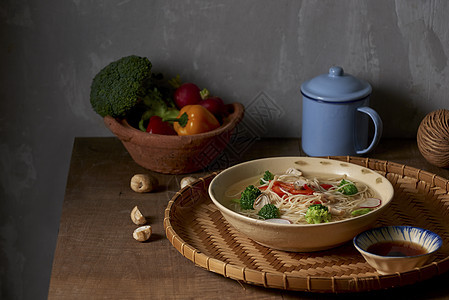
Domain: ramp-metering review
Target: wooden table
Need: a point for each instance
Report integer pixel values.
(97, 257)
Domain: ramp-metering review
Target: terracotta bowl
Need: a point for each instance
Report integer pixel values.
(176, 154)
(299, 237)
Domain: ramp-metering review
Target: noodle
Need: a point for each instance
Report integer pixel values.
(293, 206)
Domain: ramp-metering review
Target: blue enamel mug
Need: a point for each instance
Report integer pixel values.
(336, 115)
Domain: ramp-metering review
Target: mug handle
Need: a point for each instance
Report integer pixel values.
(378, 127)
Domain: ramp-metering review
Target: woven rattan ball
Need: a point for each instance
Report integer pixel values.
(433, 138)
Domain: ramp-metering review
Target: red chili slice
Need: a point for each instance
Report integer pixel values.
(281, 188)
(326, 186)
(275, 188)
(309, 190)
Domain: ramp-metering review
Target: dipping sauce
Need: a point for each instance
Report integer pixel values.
(396, 248)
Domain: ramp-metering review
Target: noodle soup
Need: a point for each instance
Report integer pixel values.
(226, 190)
(295, 198)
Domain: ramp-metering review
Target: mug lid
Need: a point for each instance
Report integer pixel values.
(336, 87)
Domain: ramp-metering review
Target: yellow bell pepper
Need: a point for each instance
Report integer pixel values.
(198, 120)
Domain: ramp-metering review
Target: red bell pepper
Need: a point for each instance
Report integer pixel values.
(157, 126)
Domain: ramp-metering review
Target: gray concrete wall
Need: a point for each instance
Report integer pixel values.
(240, 50)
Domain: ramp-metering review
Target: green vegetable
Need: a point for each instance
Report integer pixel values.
(269, 211)
(156, 106)
(126, 88)
(120, 86)
(359, 212)
(182, 120)
(248, 196)
(267, 176)
(317, 213)
(347, 188)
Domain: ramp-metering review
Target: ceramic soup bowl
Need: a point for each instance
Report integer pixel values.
(300, 237)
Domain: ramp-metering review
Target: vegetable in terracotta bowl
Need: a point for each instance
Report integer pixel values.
(300, 204)
(166, 126)
(173, 154)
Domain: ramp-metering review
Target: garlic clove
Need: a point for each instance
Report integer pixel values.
(142, 233)
(143, 183)
(186, 181)
(137, 217)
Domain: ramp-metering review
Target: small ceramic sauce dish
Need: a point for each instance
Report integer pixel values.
(394, 249)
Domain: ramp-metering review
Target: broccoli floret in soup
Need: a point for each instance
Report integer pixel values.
(317, 213)
(248, 196)
(347, 188)
(267, 176)
(269, 211)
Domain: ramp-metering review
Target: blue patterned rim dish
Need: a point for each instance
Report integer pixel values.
(426, 238)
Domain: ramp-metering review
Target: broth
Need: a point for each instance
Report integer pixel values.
(396, 248)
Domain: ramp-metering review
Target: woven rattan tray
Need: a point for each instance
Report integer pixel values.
(197, 230)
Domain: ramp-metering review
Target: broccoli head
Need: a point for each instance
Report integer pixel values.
(248, 196)
(347, 188)
(317, 213)
(267, 176)
(269, 211)
(120, 86)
